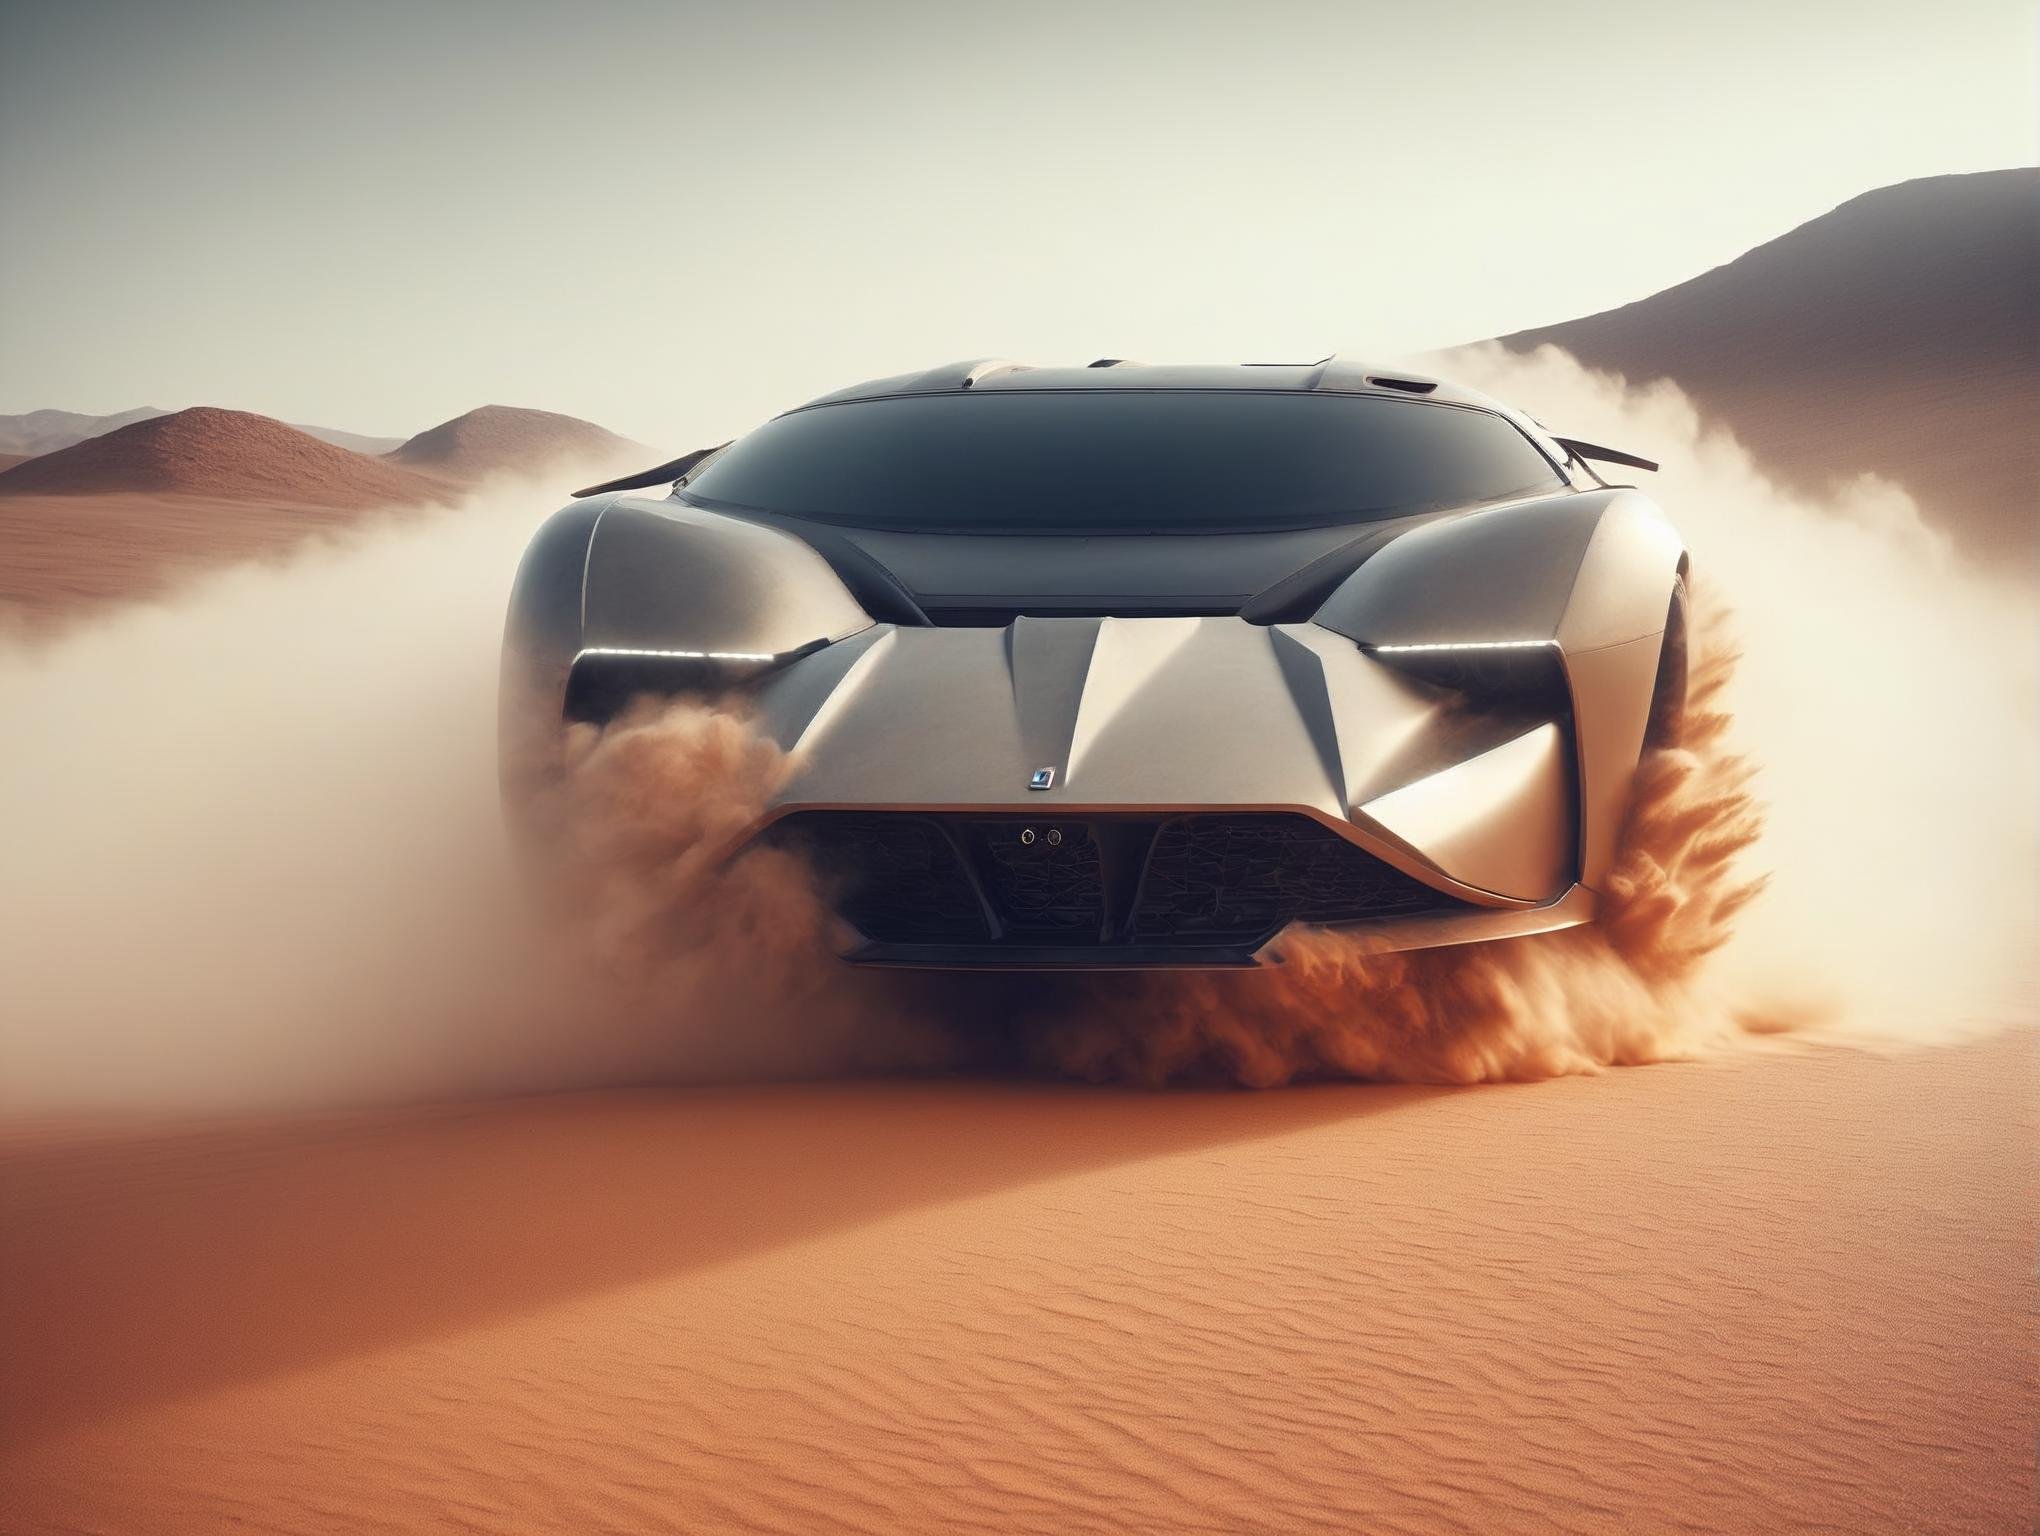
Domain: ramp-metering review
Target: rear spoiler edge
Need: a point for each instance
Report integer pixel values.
(1585, 450)
(662, 474)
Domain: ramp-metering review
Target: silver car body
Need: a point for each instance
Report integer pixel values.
(1460, 698)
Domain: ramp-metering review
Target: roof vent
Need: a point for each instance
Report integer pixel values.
(1112, 362)
(991, 367)
(1407, 386)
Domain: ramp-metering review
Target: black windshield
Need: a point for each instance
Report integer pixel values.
(1123, 461)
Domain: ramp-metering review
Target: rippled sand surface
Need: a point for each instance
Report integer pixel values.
(1791, 1292)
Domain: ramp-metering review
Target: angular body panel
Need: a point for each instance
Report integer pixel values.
(1588, 576)
(1187, 714)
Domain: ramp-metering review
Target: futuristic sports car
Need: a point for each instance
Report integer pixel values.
(1131, 666)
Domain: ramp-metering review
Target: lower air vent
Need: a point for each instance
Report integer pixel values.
(1210, 876)
(1102, 882)
(898, 879)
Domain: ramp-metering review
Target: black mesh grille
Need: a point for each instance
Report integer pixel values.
(911, 878)
(1044, 875)
(898, 878)
(1231, 875)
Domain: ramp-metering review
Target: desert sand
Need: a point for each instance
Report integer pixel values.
(1779, 1293)
(1783, 1286)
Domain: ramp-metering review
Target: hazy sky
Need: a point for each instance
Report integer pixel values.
(677, 218)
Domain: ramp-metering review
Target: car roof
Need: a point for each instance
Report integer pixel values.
(1331, 375)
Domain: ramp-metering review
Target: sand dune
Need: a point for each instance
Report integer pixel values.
(1768, 1295)
(45, 431)
(131, 513)
(232, 455)
(1899, 334)
(503, 439)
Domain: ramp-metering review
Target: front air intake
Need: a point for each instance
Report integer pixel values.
(1213, 887)
(1227, 877)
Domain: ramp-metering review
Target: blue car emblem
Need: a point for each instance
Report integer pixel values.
(1044, 778)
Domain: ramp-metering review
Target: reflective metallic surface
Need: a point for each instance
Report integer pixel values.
(1500, 822)
(1206, 713)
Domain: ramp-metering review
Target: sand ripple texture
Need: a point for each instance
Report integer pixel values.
(1782, 1294)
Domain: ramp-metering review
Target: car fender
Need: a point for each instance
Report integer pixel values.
(651, 585)
(1586, 577)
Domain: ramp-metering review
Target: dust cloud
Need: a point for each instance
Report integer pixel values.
(1869, 706)
(254, 860)
(1625, 991)
(253, 857)
(1889, 697)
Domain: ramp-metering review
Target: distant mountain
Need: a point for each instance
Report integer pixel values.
(239, 456)
(498, 439)
(46, 431)
(350, 440)
(230, 455)
(1899, 333)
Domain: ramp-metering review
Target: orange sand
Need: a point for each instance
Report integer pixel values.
(71, 556)
(1785, 1292)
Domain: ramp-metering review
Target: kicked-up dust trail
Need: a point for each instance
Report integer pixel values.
(1625, 991)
